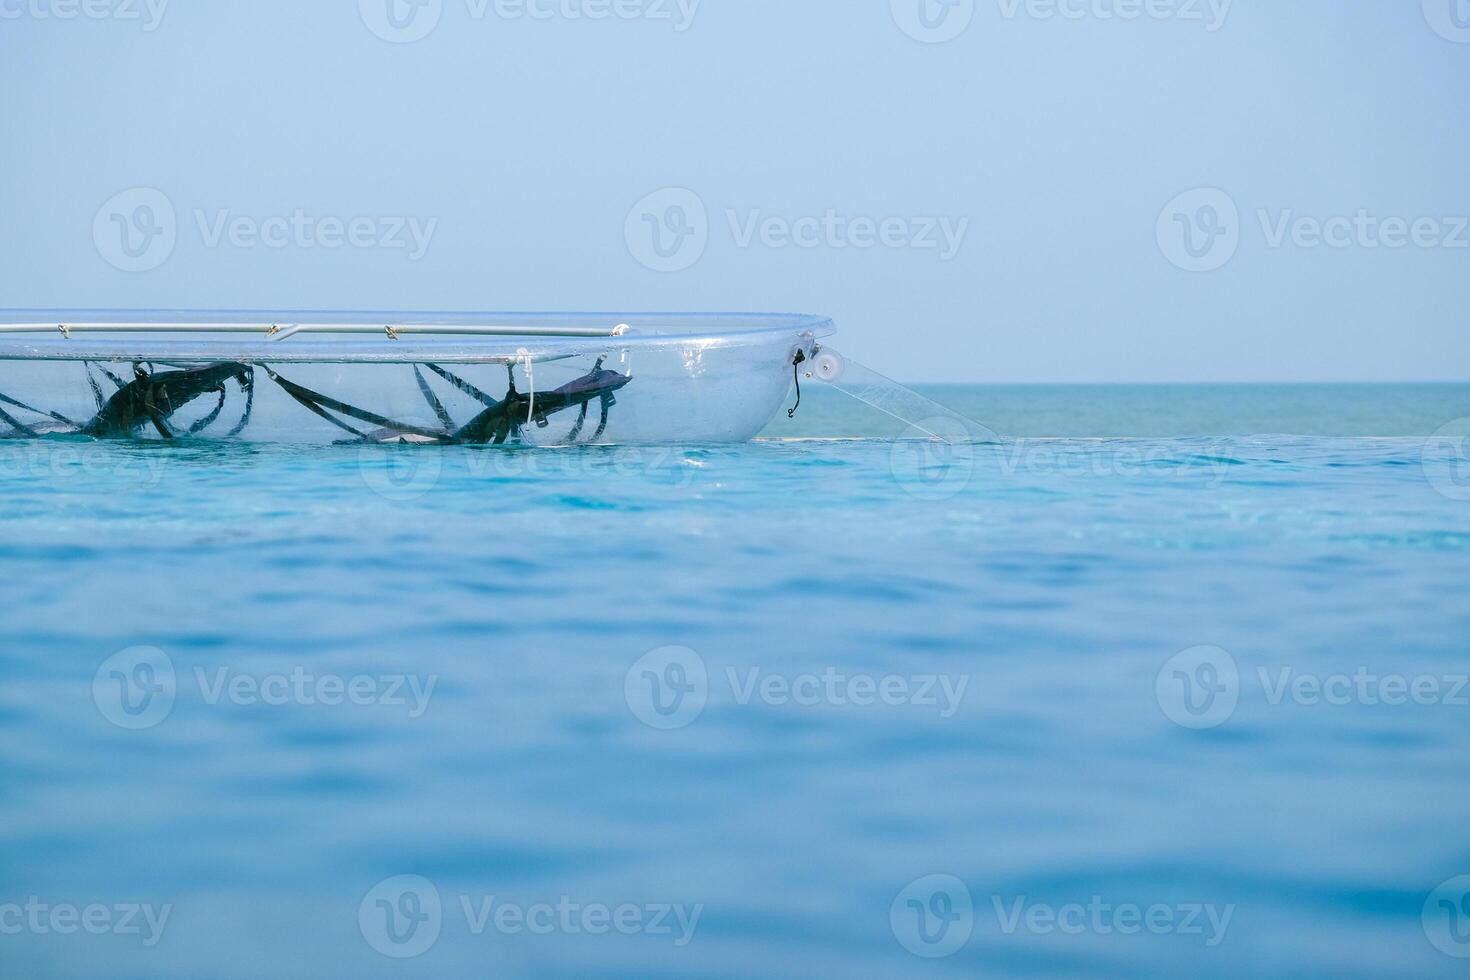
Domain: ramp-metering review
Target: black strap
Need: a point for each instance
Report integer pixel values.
(160, 422)
(607, 404)
(249, 407)
(582, 415)
(121, 384)
(317, 402)
(464, 386)
(577, 429)
(208, 420)
(318, 410)
(796, 363)
(96, 389)
(432, 399)
(24, 407)
(16, 424)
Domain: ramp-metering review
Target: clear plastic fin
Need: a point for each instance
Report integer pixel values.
(925, 418)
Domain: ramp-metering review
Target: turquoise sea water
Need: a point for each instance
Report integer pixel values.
(1141, 694)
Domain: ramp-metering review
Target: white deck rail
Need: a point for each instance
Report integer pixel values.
(279, 331)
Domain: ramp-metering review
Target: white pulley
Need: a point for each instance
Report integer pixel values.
(827, 366)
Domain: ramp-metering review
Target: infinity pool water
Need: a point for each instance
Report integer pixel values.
(1186, 706)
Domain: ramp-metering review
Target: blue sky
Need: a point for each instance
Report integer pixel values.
(977, 190)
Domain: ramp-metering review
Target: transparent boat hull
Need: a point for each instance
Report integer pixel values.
(544, 379)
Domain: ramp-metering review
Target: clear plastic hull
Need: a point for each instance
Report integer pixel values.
(463, 378)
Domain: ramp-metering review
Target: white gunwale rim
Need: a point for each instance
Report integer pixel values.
(363, 336)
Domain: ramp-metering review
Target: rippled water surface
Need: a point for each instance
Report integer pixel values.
(925, 714)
